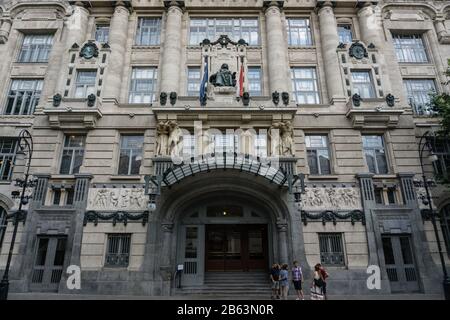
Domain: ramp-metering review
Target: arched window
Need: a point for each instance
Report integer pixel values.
(2, 225)
(445, 226)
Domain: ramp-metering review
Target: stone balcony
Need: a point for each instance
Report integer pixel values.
(73, 113)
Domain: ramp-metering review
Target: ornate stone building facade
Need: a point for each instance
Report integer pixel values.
(302, 145)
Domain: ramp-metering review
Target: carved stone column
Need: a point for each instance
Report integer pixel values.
(276, 49)
(329, 43)
(118, 41)
(40, 191)
(5, 29)
(76, 25)
(439, 25)
(171, 56)
(408, 189)
(282, 228)
(167, 228)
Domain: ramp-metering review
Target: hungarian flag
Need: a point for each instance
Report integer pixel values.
(240, 84)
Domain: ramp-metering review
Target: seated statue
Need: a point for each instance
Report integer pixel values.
(223, 78)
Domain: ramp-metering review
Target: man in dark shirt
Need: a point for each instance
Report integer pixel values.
(275, 278)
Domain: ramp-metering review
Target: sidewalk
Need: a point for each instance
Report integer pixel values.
(56, 296)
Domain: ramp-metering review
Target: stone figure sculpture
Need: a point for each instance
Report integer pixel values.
(174, 137)
(162, 130)
(224, 77)
(286, 138)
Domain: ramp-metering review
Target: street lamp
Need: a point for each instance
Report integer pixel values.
(426, 143)
(25, 143)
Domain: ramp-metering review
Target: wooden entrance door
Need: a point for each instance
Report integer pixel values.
(236, 247)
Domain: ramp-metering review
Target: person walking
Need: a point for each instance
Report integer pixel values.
(324, 275)
(297, 279)
(318, 284)
(284, 281)
(275, 278)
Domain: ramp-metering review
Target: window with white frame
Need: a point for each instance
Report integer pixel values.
(234, 28)
(193, 81)
(130, 154)
(362, 83)
(118, 250)
(148, 32)
(143, 85)
(299, 32)
(418, 93)
(261, 145)
(254, 81)
(226, 142)
(318, 154)
(23, 96)
(36, 48)
(375, 154)
(331, 249)
(304, 85)
(72, 154)
(85, 83)
(102, 33)
(345, 33)
(8, 148)
(189, 145)
(410, 48)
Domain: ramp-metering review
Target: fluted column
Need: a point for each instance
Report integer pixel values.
(76, 25)
(276, 50)
(329, 42)
(171, 56)
(118, 42)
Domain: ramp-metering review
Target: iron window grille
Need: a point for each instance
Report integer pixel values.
(418, 93)
(375, 154)
(193, 81)
(8, 148)
(102, 33)
(148, 32)
(331, 249)
(254, 81)
(118, 250)
(143, 85)
(304, 85)
(234, 28)
(362, 83)
(299, 32)
(318, 154)
(23, 96)
(130, 155)
(85, 83)
(72, 155)
(345, 33)
(36, 48)
(410, 48)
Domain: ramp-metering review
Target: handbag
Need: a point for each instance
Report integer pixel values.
(317, 293)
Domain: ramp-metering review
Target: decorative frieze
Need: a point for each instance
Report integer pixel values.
(334, 216)
(119, 216)
(117, 199)
(331, 199)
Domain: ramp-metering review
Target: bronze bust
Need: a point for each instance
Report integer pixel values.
(224, 77)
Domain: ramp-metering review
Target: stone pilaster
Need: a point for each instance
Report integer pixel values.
(276, 49)
(76, 25)
(282, 228)
(408, 189)
(330, 41)
(118, 41)
(171, 55)
(40, 191)
(437, 57)
(167, 228)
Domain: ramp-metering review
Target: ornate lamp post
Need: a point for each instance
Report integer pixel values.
(25, 143)
(425, 143)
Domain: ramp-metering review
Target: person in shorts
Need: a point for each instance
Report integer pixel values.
(297, 279)
(275, 278)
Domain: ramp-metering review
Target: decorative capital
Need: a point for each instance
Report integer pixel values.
(323, 4)
(174, 3)
(167, 227)
(269, 4)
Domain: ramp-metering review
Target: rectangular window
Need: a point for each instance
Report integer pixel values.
(7, 153)
(228, 143)
(304, 85)
(375, 154)
(69, 196)
(23, 96)
(418, 92)
(143, 85)
(362, 84)
(261, 145)
(193, 81)
(299, 32)
(102, 33)
(36, 48)
(148, 32)
(130, 155)
(441, 148)
(234, 28)
(188, 145)
(410, 48)
(72, 155)
(345, 33)
(118, 250)
(254, 81)
(318, 154)
(85, 83)
(331, 249)
(56, 197)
